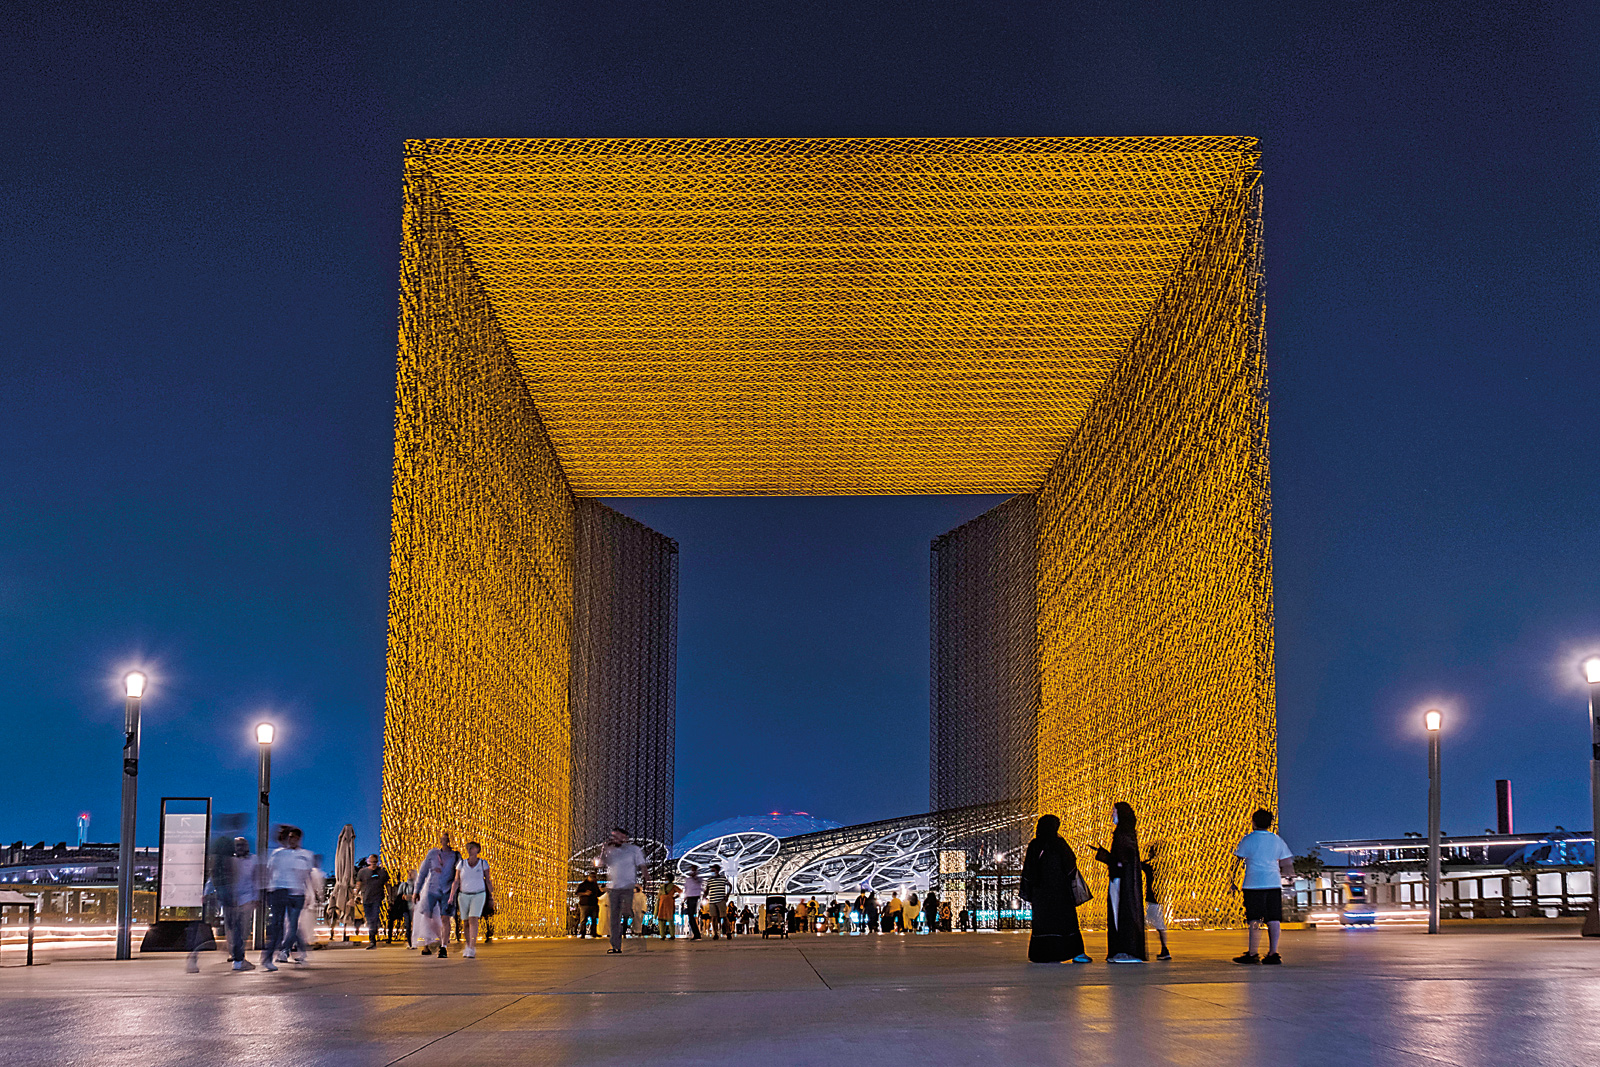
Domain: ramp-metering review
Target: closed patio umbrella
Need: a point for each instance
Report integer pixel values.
(344, 877)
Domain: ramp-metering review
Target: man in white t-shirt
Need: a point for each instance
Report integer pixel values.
(624, 864)
(1267, 861)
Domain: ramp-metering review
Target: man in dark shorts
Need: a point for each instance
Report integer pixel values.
(1267, 861)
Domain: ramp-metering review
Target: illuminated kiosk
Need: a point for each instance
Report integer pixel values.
(1077, 320)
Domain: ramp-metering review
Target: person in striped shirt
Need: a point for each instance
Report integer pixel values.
(717, 897)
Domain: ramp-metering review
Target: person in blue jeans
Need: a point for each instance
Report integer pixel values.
(288, 878)
(435, 877)
(237, 891)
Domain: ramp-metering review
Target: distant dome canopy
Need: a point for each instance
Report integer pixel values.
(777, 823)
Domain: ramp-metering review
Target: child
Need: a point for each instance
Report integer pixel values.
(1152, 906)
(1267, 861)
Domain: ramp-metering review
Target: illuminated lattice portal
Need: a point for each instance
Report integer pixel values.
(1076, 319)
(476, 737)
(984, 692)
(624, 677)
(1155, 581)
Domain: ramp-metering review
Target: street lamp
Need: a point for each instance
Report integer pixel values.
(1433, 719)
(133, 685)
(1591, 674)
(265, 732)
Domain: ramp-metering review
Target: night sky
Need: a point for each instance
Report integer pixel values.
(198, 267)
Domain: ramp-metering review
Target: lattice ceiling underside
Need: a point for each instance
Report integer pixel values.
(799, 317)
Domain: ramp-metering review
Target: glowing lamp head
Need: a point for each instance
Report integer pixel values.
(134, 681)
(264, 733)
(1591, 670)
(1433, 720)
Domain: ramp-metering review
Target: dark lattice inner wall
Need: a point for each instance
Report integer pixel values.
(624, 681)
(984, 698)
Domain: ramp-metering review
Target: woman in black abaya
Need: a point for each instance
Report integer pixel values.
(1124, 901)
(1049, 871)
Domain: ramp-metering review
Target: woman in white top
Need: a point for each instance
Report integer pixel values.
(470, 892)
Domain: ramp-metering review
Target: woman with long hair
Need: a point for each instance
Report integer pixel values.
(1049, 873)
(1124, 901)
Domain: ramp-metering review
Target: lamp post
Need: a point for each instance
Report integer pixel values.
(133, 685)
(1433, 719)
(264, 735)
(1591, 674)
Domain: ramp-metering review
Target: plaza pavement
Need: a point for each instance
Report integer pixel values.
(1516, 995)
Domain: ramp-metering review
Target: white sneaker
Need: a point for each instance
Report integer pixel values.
(470, 952)
(238, 965)
(267, 964)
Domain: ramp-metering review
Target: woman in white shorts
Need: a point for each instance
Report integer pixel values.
(470, 892)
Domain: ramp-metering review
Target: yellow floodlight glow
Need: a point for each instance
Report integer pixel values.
(134, 682)
(1433, 719)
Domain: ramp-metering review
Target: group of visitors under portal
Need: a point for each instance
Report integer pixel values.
(1056, 889)
(1051, 884)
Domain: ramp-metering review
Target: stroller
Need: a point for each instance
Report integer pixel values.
(775, 918)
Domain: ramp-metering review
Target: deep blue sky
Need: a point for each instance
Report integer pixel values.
(197, 270)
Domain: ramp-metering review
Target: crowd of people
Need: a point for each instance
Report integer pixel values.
(450, 895)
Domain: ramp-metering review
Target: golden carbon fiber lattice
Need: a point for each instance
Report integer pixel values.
(796, 317)
(476, 736)
(1155, 584)
(1077, 319)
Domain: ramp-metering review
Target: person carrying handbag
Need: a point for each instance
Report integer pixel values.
(1052, 885)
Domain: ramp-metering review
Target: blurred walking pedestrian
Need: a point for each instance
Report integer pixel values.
(373, 882)
(624, 863)
(237, 892)
(434, 879)
(1124, 902)
(1049, 883)
(316, 903)
(693, 889)
(288, 880)
(470, 892)
(912, 909)
(930, 911)
(872, 911)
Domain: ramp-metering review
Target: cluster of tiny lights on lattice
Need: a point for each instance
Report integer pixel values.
(821, 316)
